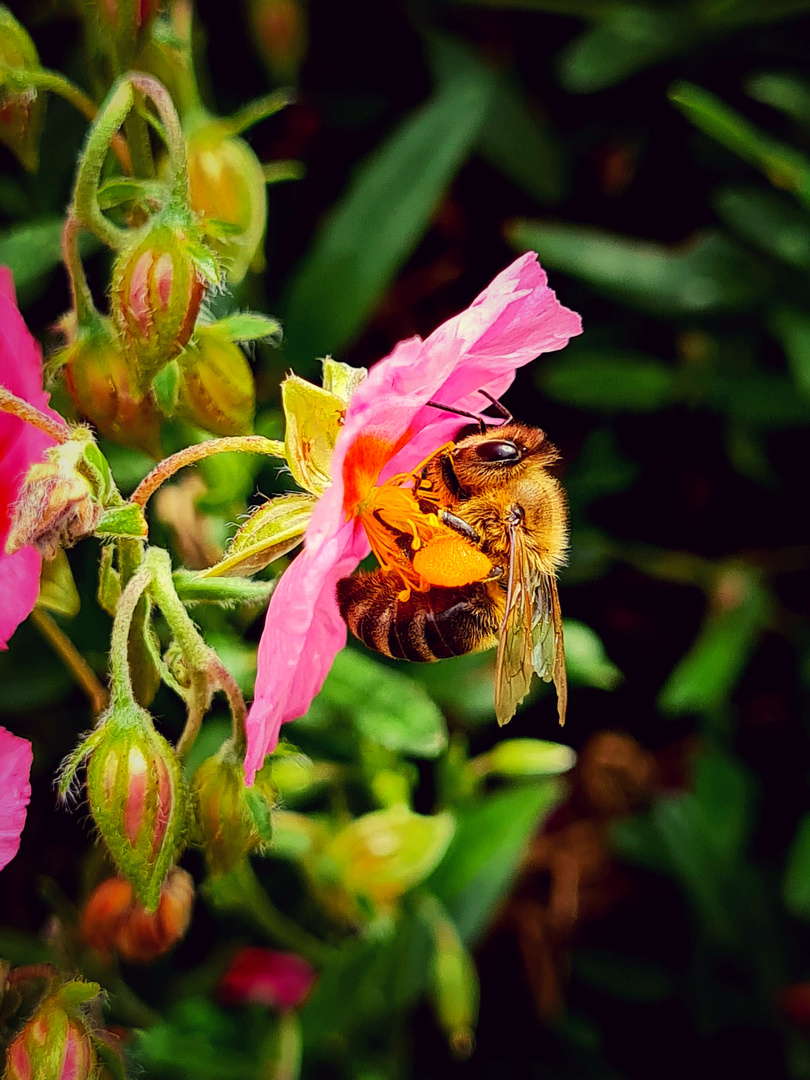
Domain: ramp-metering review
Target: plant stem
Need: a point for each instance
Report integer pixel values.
(246, 444)
(122, 689)
(175, 139)
(85, 193)
(258, 110)
(10, 403)
(82, 297)
(85, 677)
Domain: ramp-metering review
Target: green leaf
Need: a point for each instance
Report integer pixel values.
(519, 145)
(792, 328)
(250, 326)
(193, 588)
(796, 883)
(122, 189)
(270, 532)
(385, 706)
(711, 274)
(608, 381)
(484, 857)
(586, 659)
(786, 92)
(768, 220)
(629, 40)
(705, 677)
(380, 219)
(761, 399)
(784, 166)
(32, 251)
(57, 589)
(723, 796)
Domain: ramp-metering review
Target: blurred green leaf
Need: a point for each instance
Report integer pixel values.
(381, 217)
(608, 381)
(796, 884)
(200, 1039)
(792, 328)
(385, 706)
(586, 659)
(630, 39)
(707, 674)
(32, 251)
(518, 144)
(784, 166)
(723, 797)
(769, 220)
(25, 682)
(600, 469)
(711, 274)
(623, 977)
(761, 399)
(789, 93)
(484, 856)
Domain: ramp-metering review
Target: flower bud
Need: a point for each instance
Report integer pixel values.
(22, 108)
(280, 33)
(113, 921)
(278, 980)
(57, 504)
(102, 384)
(232, 820)
(155, 298)
(137, 798)
(227, 191)
(53, 1045)
(215, 390)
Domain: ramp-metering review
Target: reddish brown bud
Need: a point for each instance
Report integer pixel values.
(56, 505)
(102, 384)
(227, 191)
(155, 297)
(113, 921)
(215, 390)
(53, 1045)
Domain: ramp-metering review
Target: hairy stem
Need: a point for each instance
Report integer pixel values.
(122, 689)
(10, 403)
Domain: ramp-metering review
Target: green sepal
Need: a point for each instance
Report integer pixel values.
(57, 589)
(127, 520)
(341, 379)
(109, 581)
(249, 326)
(124, 189)
(225, 591)
(314, 417)
(78, 992)
(166, 385)
(270, 532)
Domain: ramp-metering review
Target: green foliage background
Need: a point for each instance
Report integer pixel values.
(658, 159)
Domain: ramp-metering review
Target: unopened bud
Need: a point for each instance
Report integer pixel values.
(22, 108)
(278, 980)
(227, 191)
(280, 33)
(137, 798)
(57, 504)
(232, 820)
(55, 1043)
(215, 390)
(155, 297)
(102, 383)
(113, 921)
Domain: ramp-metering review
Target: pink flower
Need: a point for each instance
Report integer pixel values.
(389, 429)
(278, 980)
(15, 792)
(21, 445)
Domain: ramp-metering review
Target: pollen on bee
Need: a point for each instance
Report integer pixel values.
(448, 560)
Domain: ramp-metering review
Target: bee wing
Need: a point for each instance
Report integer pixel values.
(548, 649)
(514, 664)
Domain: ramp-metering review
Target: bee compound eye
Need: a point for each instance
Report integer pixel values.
(499, 450)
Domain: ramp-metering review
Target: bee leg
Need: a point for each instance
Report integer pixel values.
(460, 526)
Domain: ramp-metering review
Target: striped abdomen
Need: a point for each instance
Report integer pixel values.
(428, 625)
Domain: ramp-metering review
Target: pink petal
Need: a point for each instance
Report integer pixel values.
(15, 791)
(265, 977)
(21, 445)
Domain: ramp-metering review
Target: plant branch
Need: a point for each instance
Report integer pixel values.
(10, 403)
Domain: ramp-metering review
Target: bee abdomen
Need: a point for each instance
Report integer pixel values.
(427, 626)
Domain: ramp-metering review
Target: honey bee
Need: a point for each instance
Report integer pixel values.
(500, 510)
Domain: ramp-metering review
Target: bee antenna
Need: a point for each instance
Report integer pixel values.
(499, 408)
(461, 412)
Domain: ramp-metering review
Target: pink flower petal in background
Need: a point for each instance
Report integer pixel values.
(15, 792)
(515, 319)
(278, 980)
(21, 445)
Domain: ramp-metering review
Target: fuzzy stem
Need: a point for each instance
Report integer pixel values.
(14, 79)
(85, 194)
(137, 130)
(82, 297)
(257, 110)
(122, 690)
(10, 403)
(175, 139)
(73, 660)
(246, 444)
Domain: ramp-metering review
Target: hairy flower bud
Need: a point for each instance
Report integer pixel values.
(232, 820)
(102, 384)
(215, 390)
(21, 107)
(137, 798)
(156, 291)
(54, 1044)
(113, 921)
(227, 191)
(57, 504)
